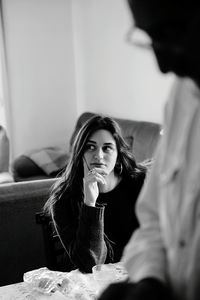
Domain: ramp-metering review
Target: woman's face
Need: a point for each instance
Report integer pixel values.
(101, 151)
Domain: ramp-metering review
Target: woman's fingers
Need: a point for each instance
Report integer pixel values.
(97, 174)
(99, 171)
(91, 180)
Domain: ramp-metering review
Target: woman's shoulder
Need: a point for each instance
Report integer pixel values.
(132, 185)
(66, 197)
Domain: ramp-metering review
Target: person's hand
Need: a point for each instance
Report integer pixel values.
(90, 183)
(143, 290)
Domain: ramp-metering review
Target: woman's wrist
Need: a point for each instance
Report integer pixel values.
(93, 213)
(90, 204)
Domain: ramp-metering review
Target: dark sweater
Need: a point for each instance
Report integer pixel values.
(95, 235)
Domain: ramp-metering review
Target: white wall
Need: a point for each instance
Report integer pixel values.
(116, 77)
(69, 56)
(41, 72)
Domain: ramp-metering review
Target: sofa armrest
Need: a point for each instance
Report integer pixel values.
(22, 245)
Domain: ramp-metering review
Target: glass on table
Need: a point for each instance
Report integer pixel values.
(104, 274)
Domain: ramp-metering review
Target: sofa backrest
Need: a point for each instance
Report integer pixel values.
(142, 136)
(21, 239)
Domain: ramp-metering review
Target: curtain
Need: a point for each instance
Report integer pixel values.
(5, 119)
(4, 92)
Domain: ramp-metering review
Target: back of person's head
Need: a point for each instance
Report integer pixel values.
(174, 27)
(156, 11)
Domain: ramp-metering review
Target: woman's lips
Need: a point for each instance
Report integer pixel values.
(101, 167)
(97, 165)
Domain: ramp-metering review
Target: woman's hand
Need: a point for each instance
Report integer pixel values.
(90, 183)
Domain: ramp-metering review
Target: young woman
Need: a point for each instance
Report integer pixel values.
(92, 204)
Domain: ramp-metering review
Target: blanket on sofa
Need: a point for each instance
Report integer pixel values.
(50, 159)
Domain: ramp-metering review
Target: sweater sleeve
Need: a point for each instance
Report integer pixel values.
(82, 234)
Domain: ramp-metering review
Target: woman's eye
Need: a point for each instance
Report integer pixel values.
(89, 147)
(108, 149)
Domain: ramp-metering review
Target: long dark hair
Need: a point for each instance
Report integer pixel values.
(72, 178)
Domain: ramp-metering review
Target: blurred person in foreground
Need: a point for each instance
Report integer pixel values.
(163, 255)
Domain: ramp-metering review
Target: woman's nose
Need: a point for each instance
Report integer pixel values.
(98, 154)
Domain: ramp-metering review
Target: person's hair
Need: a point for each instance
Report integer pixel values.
(71, 180)
(169, 8)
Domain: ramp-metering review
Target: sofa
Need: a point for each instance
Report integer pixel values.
(48, 162)
(22, 241)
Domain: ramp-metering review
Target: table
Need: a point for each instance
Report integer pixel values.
(80, 286)
(21, 291)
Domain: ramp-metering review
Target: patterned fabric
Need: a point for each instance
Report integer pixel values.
(50, 159)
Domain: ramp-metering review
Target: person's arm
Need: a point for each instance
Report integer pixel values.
(144, 256)
(81, 233)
